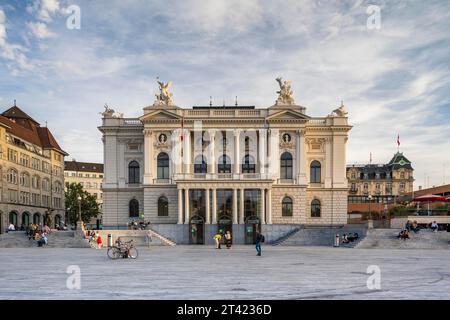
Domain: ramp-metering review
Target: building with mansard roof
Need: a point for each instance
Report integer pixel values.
(193, 172)
(31, 172)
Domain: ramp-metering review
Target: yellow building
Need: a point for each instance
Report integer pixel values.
(31, 172)
(89, 175)
(383, 182)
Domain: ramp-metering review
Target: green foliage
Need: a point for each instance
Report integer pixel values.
(89, 205)
(398, 211)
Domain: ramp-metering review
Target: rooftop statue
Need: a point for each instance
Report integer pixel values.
(340, 112)
(108, 113)
(164, 97)
(285, 94)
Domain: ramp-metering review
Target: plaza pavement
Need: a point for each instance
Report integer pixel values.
(202, 272)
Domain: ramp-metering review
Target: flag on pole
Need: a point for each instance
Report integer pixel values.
(398, 141)
(182, 129)
(371, 158)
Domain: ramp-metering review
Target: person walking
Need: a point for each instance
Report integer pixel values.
(259, 240)
(228, 239)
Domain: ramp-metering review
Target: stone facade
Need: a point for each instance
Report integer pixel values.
(31, 172)
(229, 167)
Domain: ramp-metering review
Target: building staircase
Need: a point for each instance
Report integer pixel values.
(387, 239)
(56, 239)
(318, 236)
(139, 237)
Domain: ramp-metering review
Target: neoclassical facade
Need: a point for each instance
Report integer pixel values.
(192, 172)
(31, 172)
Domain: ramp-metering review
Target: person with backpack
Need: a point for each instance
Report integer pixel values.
(259, 239)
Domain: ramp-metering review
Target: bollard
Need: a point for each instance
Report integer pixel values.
(336, 240)
(110, 240)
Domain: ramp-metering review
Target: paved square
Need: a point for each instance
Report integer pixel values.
(199, 272)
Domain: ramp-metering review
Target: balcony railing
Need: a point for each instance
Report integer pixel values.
(162, 181)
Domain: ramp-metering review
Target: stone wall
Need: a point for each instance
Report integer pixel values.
(116, 207)
(328, 200)
(151, 196)
(298, 196)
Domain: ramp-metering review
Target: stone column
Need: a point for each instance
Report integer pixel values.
(274, 153)
(148, 156)
(262, 151)
(176, 153)
(301, 179)
(328, 163)
(242, 215)
(214, 206)
(237, 153)
(187, 151)
(208, 207)
(186, 206)
(212, 151)
(235, 207)
(269, 206)
(263, 206)
(180, 206)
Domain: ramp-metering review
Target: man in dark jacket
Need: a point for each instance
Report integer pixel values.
(259, 240)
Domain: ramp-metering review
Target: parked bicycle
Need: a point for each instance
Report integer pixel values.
(124, 250)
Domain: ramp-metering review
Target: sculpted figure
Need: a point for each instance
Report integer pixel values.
(108, 113)
(340, 112)
(164, 97)
(285, 94)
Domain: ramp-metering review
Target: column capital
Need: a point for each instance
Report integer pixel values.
(237, 132)
(301, 132)
(148, 133)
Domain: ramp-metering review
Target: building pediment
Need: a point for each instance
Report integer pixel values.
(287, 115)
(160, 115)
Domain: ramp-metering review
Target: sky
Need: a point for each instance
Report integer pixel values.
(390, 69)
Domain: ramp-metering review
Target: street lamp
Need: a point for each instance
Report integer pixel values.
(370, 224)
(79, 210)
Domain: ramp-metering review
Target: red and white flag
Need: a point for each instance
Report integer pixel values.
(398, 140)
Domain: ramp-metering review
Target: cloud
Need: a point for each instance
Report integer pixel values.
(47, 9)
(40, 30)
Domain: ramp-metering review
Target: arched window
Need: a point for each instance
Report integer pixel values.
(224, 164)
(200, 165)
(133, 172)
(36, 218)
(315, 208)
(315, 172)
(163, 166)
(24, 179)
(286, 207)
(163, 207)
(248, 165)
(286, 166)
(134, 208)
(46, 184)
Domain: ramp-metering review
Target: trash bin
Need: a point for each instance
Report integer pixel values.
(110, 240)
(337, 240)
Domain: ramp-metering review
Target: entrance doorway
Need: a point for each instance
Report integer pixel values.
(36, 218)
(1, 223)
(25, 219)
(197, 230)
(225, 224)
(57, 221)
(13, 218)
(252, 224)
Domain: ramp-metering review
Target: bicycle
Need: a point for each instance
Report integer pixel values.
(127, 250)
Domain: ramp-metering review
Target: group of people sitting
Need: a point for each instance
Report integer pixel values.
(412, 226)
(135, 225)
(95, 239)
(404, 234)
(350, 237)
(38, 233)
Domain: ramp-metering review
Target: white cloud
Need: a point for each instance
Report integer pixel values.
(40, 30)
(47, 9)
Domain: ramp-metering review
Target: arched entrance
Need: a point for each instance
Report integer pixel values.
(1, 223)
(252, 224)
(225, 224)
(13, 218)
(36, 218)
(197, 230)
(25, 219)
(57, 221)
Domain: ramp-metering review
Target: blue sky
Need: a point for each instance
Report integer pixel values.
(393, 80)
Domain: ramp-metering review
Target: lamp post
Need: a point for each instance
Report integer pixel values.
(80, 221)
(370, 222)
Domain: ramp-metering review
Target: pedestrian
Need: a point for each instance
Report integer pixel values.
(99, 241)
(259, 240)
(228, 239)
(218, 239)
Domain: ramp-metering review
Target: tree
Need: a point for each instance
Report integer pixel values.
(89, 205)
